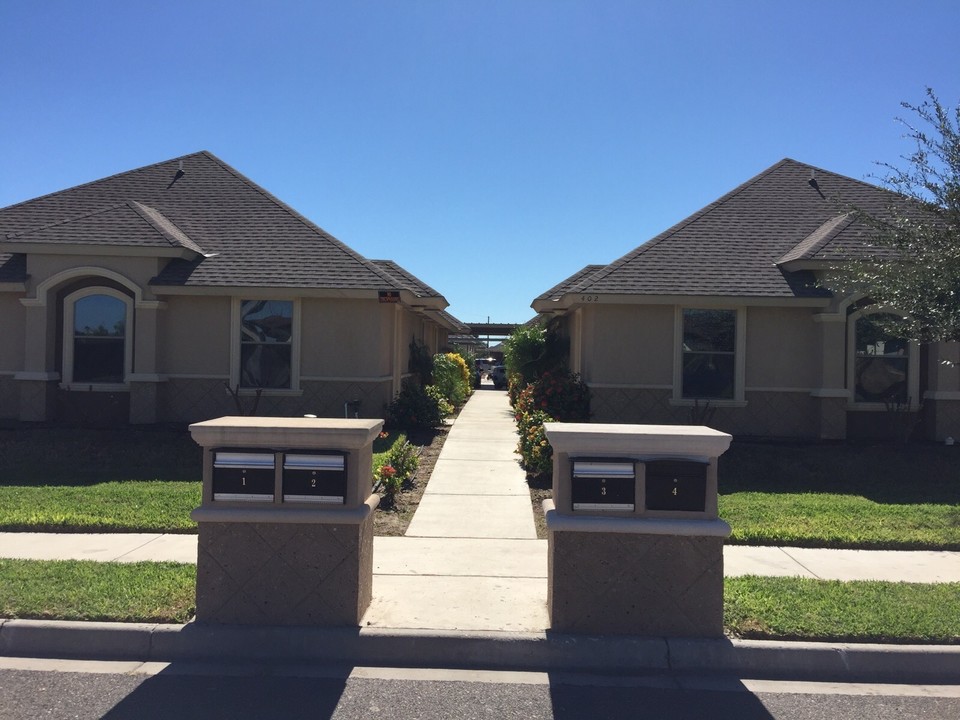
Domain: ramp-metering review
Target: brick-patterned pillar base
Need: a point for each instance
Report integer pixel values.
(635, 584)
(285, 573)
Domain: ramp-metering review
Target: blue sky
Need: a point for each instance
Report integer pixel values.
(491, 148)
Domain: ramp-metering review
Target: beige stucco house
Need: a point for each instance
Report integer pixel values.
(724, 316)
(175, 292)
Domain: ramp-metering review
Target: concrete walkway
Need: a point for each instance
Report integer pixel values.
(471, 560)
(466, 587)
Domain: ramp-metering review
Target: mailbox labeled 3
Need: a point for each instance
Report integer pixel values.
(315, 478)
(676, 485)
(603, 485)
(243, 476)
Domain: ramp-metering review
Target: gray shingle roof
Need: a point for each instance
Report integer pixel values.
(570, 282)
(249, 237)
(403, 277)
(126, 224)
(732, 246)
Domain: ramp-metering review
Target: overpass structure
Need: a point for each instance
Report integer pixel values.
(487, 334)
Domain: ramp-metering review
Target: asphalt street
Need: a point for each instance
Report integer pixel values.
(85, 690)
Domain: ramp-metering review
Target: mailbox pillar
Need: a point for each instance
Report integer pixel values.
(635, 543)
(286, 522)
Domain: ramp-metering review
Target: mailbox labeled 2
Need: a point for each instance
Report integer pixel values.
(600, 485)
(244, 476)
(315, 478)
(676, 485)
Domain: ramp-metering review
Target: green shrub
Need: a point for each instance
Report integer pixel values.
(395, 470)
(417, 407)
(523, 351)
(555, 396)
(536, 454)
(452, 377)
(420, 364)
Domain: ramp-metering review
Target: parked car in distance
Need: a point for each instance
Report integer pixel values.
(499, 377)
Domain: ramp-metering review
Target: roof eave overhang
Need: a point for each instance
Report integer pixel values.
(407, 298)
(87, 249)
(805, 264)
(567, 303)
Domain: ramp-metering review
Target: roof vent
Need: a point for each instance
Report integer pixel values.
(179, 175)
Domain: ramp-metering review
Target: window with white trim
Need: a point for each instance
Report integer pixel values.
(881, 362)
(97, 338)
(266, 344)
(709, 354)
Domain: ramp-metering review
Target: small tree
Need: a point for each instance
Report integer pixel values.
(532, 350)
(915, 264)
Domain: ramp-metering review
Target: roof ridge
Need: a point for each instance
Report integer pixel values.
(67, 220)
(103, 179)
(146, 212)
(819, 237)
(302, 218)
(656, 240)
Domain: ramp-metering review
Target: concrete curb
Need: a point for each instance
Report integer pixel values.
(538, 652)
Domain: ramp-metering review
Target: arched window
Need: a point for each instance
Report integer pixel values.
(97, 348)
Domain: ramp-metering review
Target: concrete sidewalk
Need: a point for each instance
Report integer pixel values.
(466, 587)
(471, 560)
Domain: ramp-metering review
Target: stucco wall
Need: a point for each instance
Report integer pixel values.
(766, 414)
(186, 400)
(628, 344)
(783, 348)
(137, 269)
(194, 336)
(342, 338)
(11, 337)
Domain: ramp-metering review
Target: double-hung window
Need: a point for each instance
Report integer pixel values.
(708, 354)
(266, 352)
(881, 363)
(97, 347)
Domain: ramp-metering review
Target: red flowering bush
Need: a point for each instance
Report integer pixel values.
(555, 396)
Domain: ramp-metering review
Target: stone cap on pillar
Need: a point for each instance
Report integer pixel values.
(298, 432)
(632, 440)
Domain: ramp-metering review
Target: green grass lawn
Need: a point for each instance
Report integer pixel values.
(84, 590)
(850, 496)
(56, 480)
(81, 480)
(803, 609)
(754, 607)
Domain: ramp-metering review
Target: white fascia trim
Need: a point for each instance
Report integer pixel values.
(147, 377)
(627, 386)
(704, 402)
(318, 378)
(37, 376)
(271, 392)
(942, 395)
(95, 387)
(831, 393)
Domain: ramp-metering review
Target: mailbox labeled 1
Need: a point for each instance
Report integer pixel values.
(676, 485)
(603, 485)
(244, 476)
(315, 478)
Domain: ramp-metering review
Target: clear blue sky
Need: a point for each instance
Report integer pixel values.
(492, 148)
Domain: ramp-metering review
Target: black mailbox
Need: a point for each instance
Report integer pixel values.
(676, 485)
(315, 478)
(603, 485)
(243, 475)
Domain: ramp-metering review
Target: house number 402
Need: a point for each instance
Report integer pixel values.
(589, 298)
